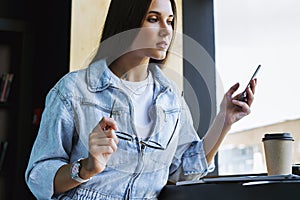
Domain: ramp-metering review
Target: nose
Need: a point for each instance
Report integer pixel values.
(164, 32)
(165, 29)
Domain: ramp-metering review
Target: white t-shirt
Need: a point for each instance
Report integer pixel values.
(141, 94)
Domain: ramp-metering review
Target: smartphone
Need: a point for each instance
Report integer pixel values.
(244, 93)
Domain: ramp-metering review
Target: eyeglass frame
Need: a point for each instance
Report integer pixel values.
(128, 137)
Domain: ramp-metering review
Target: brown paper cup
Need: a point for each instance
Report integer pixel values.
(278, 153)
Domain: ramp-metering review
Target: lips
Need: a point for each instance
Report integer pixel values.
(162, 45)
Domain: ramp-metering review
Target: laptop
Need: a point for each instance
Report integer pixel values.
(246, 180)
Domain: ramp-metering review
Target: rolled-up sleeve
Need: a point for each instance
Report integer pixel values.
(189, 162)
(51, 148)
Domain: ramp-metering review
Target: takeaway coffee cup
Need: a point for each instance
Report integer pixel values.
(278, 153)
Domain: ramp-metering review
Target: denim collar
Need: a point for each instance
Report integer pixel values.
(98, 77)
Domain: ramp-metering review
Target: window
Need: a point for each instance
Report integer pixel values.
(249, 33)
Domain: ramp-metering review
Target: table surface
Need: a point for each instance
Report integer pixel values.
(239, 190)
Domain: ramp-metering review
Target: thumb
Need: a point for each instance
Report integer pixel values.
(105, 123)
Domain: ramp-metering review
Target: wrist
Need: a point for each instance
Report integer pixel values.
(85, 172)
(223, 120)
(77, 172)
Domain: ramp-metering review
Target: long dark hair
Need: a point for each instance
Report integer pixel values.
(124, 18)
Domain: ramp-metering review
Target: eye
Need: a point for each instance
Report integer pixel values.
(152, 19)
(170, 21)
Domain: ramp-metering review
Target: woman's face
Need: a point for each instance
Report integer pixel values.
(155, 35)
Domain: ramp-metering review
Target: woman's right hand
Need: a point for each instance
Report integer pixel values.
(102, 144)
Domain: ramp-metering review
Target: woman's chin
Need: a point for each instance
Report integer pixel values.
(160, 55)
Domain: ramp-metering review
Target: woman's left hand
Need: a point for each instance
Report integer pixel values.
(233, 108)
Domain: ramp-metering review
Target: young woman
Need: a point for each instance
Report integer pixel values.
(120, 129)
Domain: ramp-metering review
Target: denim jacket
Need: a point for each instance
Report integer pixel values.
(73, 108)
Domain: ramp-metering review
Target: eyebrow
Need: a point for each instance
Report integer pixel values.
(158, 13)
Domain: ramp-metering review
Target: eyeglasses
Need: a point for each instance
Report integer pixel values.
(149, 143)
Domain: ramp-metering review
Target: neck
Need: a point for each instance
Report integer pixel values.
(130, 68)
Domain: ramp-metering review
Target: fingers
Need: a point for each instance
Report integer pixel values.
(103, 142)
(243, 105)
(103, 145)
(232, 89)
(253, 84)
(105, 129)
(106, 123)
(100, 150)
(250, 92)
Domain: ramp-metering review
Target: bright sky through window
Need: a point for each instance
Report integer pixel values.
(266, 32)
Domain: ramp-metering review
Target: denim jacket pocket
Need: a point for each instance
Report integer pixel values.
(167, 137)
(167, 126)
